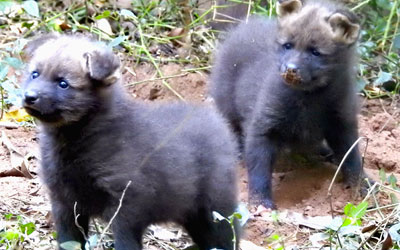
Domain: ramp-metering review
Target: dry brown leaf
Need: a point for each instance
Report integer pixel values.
(387, 242)
(18, 161)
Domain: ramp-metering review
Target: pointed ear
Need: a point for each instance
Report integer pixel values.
(102, 66)
(31, 47)
(344, 27)
(285, 7)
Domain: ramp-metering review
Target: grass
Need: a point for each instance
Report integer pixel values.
(162, 31)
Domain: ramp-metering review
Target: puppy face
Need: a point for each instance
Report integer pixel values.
(314, 40)
(66, 75)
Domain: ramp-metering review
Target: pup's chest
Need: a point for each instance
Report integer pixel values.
(302, 121)
(72, 180)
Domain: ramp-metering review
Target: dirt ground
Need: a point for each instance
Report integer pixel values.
(299, 188)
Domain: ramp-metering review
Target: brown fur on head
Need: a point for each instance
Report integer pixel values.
(326, 19)
(315, 36)
(66, 76)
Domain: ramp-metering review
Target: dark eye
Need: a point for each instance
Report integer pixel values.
(34, 74)
(63, 84)
(315, 52)
(287, 46)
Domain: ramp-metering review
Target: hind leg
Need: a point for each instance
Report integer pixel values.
(208, 234)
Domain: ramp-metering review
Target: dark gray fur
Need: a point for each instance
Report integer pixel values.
(180, 158)
(268, 114)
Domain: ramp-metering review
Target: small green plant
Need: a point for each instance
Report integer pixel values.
(276, 240)
(16, 232)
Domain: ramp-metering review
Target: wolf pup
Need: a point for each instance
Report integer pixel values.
(288, 83)
(179, 159)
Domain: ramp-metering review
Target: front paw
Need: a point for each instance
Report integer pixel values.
(363, 184)
(265, 202)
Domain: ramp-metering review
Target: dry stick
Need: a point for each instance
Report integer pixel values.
(146, 51)
(248, 11)
(115, 214)
(156, 79)
(341, 163)
(77, 223)
(334, 178)
(376, 229)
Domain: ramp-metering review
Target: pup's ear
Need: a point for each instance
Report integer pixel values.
(285, 7)
(37, 42)
(102, 66)
(344, 27)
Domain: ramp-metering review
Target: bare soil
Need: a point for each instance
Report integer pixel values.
(298, 187)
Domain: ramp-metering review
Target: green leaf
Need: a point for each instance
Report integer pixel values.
(346, 222)
(244, 214)
(10, 235)
(382, 78)
(382, 175)
(71, 245)
(360, 210)
(361, 83)
(27, 228)
(384, 4)
(392, 181)
(27, 25)
(92, 242)
(347, 209)
(274, 237)
(14, 62)
(127, 13)
(105, 14)
(116, 41)
(355, 212)
(31, 7)
(8, 216)
(4, 5)
(396, 42)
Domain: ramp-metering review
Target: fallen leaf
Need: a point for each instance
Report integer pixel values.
(18, 115)
(18, 161)
(163, 234)
(104, 25)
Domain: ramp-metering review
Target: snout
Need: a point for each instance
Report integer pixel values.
(31, 97)
(290, 72)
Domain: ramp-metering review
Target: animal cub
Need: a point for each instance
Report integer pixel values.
(176, 162)
(289, 83)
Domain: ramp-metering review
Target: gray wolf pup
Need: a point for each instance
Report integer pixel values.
(179, 158)
(289, 83)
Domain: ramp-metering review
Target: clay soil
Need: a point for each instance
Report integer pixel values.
(299, 187)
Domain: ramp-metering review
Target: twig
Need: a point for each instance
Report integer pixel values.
(115, 214)
(377, 227)
(156, 79)
(341, 163)
(146, 51)
(76, 216)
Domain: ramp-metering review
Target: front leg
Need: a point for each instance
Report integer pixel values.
(341, 135)
(64, 219)
(127, 233)
(260, 154)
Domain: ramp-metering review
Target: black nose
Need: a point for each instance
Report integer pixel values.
(31, 97)
(292, 67)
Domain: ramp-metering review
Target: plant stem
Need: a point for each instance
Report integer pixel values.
(388, 22)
